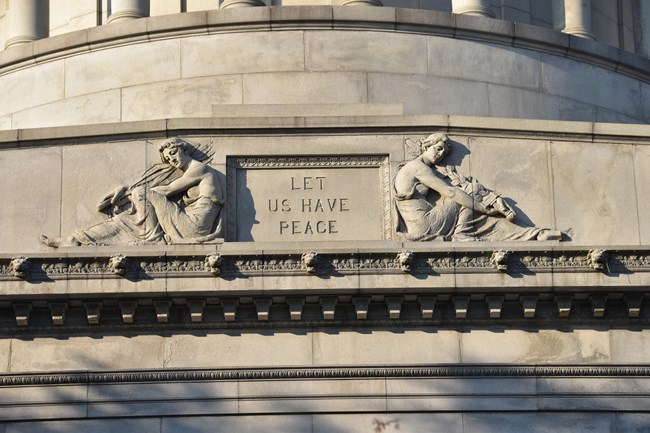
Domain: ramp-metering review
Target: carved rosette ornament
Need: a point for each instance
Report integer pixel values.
(118, 263)
(19, 267)
(500, 259)
(214, 262)
(310, 261)
(405, 260)
(597, 259)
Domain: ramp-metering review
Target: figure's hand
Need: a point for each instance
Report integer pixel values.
(112, 197)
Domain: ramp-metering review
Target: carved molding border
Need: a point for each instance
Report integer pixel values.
(235, 163)
(153, 376)
(514, 263)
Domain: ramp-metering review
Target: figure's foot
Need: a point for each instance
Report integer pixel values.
(549, 235)
(58, 242)
(463, 238)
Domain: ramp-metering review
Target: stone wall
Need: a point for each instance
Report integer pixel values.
(570, 176)
(385, 62)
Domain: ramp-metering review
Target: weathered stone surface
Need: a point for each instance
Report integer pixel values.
(276, 396)
(630, 346)
(306, 87)
(539, 347)
(516, 168)
(429, 95)
(182, 98)
(5, 354)
(538, 423)
(237, 350)
(510, 102)
(5, 122)
(32, 87)
(597, 180)
(633, 422)
(596, 85)
(461, 394)
(162, 398)
(300, 110)
(85, 353)
(385, 347)
(39, 206)
(84, 184)
(473, 61)
(227, 424)
(388, 423)
(645, 101)
(242, 53)
(128, 66)
(145, 425)
(363, 51)
(101, 107)
(642, 180)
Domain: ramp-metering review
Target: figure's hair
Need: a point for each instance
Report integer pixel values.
(174, 143)
(436, 137)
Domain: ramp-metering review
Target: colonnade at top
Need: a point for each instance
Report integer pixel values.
(29, 19)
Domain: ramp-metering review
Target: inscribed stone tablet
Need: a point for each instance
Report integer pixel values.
(323, 198)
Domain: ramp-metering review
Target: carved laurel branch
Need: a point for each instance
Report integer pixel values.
(324, 373)
(415, 263)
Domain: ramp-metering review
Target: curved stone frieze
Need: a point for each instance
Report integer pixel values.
(435, 202)
(176, 201)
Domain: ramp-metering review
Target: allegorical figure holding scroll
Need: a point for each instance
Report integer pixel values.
(434, 202)
(177, 201)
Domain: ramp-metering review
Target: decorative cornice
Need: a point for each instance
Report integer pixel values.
(35, 269)
(436, 371)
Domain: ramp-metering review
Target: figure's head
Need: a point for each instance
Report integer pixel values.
(435, 147)
(174, 153)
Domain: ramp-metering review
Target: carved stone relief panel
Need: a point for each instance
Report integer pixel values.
(321, 198)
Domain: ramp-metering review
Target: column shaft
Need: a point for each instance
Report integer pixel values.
(472, 7)
(642, 27)
(121, 10)
(577, 18)
(29, 20)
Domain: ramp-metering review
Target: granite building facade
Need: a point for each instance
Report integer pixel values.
(303, 216)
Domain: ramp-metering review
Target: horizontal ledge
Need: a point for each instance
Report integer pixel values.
(264, 373)
(531, 128)
(278, 18)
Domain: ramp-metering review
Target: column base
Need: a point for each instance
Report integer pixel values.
(227, 4)
(360, 3)
(124, 15)
(20, 40)
(477, 12)
(580, 32)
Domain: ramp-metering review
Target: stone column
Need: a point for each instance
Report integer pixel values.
(577, 18)
(641, 13)
(360, 3)
(29, 20)
(227, 4)
(127, 9)
(472, 7)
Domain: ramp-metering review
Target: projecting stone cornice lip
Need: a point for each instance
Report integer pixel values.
(325, 18)
(415, 124)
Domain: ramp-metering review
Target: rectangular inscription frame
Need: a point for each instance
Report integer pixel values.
(235, 163)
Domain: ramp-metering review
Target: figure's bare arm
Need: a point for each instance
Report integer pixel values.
(425, 175)
(183, 183)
